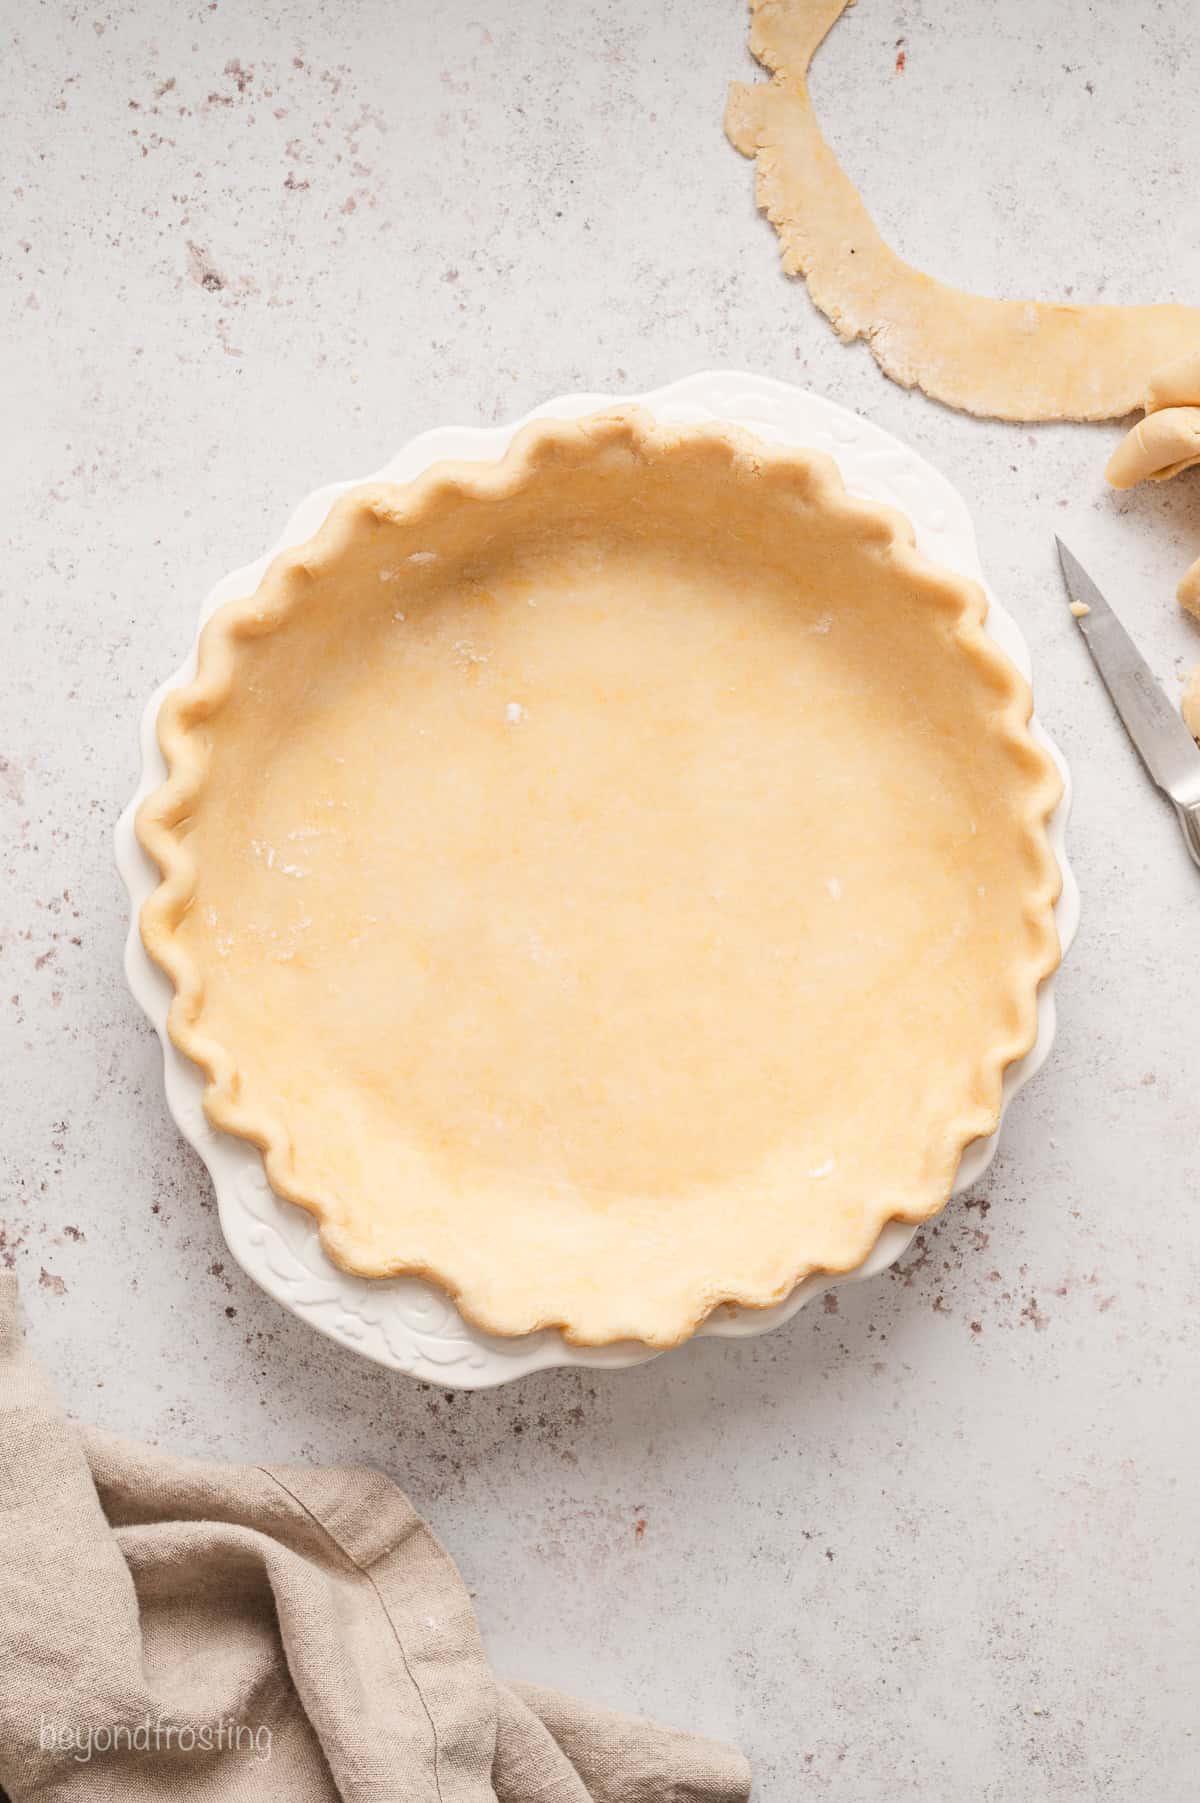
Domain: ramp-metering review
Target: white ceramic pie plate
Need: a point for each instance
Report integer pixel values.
(404, 1322)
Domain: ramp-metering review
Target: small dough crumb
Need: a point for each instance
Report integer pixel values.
(1079, 609)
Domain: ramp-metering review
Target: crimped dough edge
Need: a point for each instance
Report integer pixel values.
(656, 1322)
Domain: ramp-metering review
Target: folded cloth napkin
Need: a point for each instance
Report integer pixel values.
(241, 1634)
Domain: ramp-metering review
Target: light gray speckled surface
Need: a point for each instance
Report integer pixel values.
(935, 1540)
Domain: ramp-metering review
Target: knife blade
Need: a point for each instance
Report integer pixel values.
(1161, 739)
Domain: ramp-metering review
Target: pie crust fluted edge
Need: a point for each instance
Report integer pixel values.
(181, 734)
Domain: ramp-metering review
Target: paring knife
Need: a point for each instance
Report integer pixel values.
(1163, 742)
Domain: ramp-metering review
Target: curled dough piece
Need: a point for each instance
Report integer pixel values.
(1164, 444)
(1159, 446)
(1021, 360)
(1175, 385)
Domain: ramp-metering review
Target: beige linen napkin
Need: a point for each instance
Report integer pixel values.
(241, 1634)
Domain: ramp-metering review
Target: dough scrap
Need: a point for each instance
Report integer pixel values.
(1160, 446)
(607, 882)
(1175, 385)
(1016, 360)
(1164, 444)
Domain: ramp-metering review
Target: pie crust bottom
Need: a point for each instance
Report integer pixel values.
(609, 882)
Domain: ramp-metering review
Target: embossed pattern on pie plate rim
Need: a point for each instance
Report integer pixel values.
(405, 1323)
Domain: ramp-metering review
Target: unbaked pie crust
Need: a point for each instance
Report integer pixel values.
(1010, 359)
(609, 882)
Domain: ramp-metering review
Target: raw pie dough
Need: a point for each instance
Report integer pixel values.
(1164, 444)
(607, 882)
(1022, 360)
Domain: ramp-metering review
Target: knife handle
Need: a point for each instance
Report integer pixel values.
(1189, 820)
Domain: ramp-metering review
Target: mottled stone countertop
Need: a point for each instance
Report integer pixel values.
(936, 1539)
